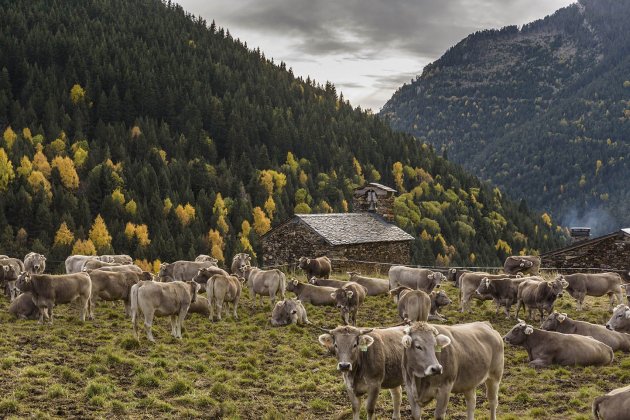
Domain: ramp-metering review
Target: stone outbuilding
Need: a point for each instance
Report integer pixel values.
(609, 252)
(364, 235)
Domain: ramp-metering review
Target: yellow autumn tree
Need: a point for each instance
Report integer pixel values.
(246, 245)
(262, 224)
(77, 94)
(40, 162)
(25, 168)
(142, 234)
(185, 214)
(27, 135)
(80, 156)
(6, 171)
(266, 181)
(220, 211)
(292, 163)
(156, 266)
(503, 246)
(168, 205)
(99, 235)
(130, 230)
(546, 219)
(64, 236)
(131, 207)
(83, 248)
(216, 244)
(270, 207)
(67, 172)
(118, 197)
(38, 182)
(9, 137)
(303, 178)
(397, 171)
(144, 264)
(344, 206)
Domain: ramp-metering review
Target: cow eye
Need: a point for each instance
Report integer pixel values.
(419, 347)
(335, 345)
(355, 344)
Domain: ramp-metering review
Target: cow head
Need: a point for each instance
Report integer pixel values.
(347, 343)
(440, 298)
(292, 284)
(146, 276)
(246, 269)
(313, 280)
(398, 291)
(343, 300)
(553, 321)
(485, 287)
(519, 333)
(39, 262)
(194, 290)
(162, 272)
(422, 342)
(23, 282)
(304, 262)
(558, 285)
(285, 312)
(620, 319)
(352, 274)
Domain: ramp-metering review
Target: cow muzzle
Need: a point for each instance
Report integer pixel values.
(433, 370)
(344, 367)
(608, 327)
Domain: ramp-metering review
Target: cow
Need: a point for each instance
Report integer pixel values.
(34, 263)
(162, 299)
(118, 259)
(594, 284)
(74, 263)
(264, 282)
(327, 282)
(440, 360)
(49, 290)
(23, 307)
(620, 319)
(545, 348)
(8, 278)
(369, 359)
(348, 299)
(627, 290)
(563, 324)
(223, 289)
(289, 311)
(121, 268)
(540, 295)
(613, 406)
(113, 286)
(439, 299)
(373, 285)
(207, 258)
(504, 291)
(315, 295)
(96, 264)
(414, 278)
(203, 275)
(454, 274)
(526, 264)
(315, 267)
(468, 284)
(238, 261)
(199, 306)
(184, 270)
(413, 305)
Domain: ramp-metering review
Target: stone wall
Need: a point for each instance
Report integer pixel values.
(384, 207)
(292, 240)
(611, 253)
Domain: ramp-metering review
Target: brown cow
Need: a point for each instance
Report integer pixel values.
(202, 276)
(563, 324)
(613, 406)
(440, 360)
(34, 263)
(23, 307)
(223, 289)
(373, 285)
(50, 290)
(348, 299)
(594, 284)
(468, 284)
(504, 291)
(526, 264)
(289, 311)
(113, 286)
(8, 279)
(414, 278)
(162, 299)
(121, 268)
(264, 282)
(540, 295)
(315, 295)
(438, 300)
(327, 282)
(454, 274)
(413, 305)
(368, 360)
(315, 267)
(620, 319)
(545, 348)
(238, 261)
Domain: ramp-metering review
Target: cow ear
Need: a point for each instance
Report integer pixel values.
(562, 317)
(452, 270)
(437, 286)
(627, 313)
(529, 329)
(349, 293)
(430, 276)
(308, 261)
(406, 341)
(294, 311)
(44, 258)
(326, 340)
(295, 282)
(298, 301)
(333, 295)
(365, 341)
(442, 340)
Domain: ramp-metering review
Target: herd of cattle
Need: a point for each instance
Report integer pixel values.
(431, 361)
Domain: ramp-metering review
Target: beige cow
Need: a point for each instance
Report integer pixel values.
(222, 289)
(613, 406)
(113, 286)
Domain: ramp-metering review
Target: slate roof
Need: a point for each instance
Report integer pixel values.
(353, 228)
(586, 242)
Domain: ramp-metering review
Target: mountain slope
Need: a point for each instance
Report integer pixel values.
(541, 111)
(187, 142)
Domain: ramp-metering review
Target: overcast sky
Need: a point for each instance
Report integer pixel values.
(367, 48)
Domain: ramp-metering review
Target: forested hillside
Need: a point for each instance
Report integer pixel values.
(135, 127)
(542, 111)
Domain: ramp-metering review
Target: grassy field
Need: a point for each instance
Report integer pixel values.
(247, 369)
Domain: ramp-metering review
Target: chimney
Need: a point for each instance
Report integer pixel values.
(375, 198)
(579, 234)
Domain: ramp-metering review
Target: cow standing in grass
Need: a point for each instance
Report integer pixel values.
(264, 283)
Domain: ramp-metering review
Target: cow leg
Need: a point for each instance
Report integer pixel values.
(519, 303)
(219, 303)
(396, 398)
(471, 402)
(372, 396)
(492, 394)
(211, 309)
(538, 363)
(180, 321)
(412, 396)
(85, 308)
(174, 325)
(148, 323)
(234, 305)
(612, 301)
(91, 308)
(43, 311)
(442, 397)
(127, 308)
(272, 296)
(356, 404)
(506, 308)
(50, 312)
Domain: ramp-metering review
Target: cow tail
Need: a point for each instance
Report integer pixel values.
(596, 403)
(283, 284)
(210, 290)
(134, 307)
